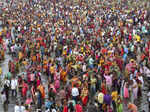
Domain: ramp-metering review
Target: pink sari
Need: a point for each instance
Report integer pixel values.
(8, 35)
(126, 92)
(57, 84)
(38, 83)
(57, 81)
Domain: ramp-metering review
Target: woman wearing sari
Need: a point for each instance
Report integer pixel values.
(24, 89)
(119, 105)
(52, 71)
(33, 93)
(126, 90)
(57, 80)
(42, 90)
(134, 90)
(12, 69)
(45, 62)
(63, 75)
(84, 94)
(103, 87)
(38, 81)
(2, 54)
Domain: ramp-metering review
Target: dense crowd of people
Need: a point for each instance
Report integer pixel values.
(76, 55)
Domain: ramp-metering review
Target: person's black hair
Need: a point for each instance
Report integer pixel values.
(113, 89)
(2, 92)
(71, 107)
(90, 103)
(39, 110)
(26, 107)
(22, 103)
(17, 103)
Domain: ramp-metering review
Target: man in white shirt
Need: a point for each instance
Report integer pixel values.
(22, 107)
(17, 107)
(54, 110)
(14, 84)
(84, 67)
(75, 93)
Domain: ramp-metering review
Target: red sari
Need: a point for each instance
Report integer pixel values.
(38, 82)
(65, 109)
(84, 96)
(78, 108)
(103, 88)
(24, 89)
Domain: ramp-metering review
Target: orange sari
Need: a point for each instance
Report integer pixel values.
(34, 58)
(63, 76)
(42, 90)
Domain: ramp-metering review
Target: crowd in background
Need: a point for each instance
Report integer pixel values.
(75, 55)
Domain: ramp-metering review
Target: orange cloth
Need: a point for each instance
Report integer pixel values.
(45, 64)
(63, 75)
(132, 107)
(20, 55)
(33, 58)
(41, 88)
(2, 54)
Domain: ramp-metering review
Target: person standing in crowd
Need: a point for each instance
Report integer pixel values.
(17, 107)
(114, 96)
(134, 90)
(93, 85)
(14, 85)
(22, 107)
(75, 93)
(7, 89)
(4, 101)
(100, 99)
(78, 107)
